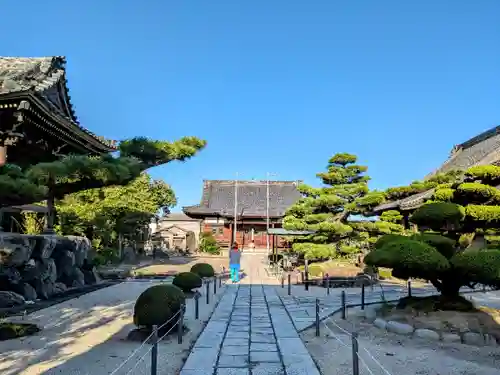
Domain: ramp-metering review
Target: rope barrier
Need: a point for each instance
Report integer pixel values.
(145, 342)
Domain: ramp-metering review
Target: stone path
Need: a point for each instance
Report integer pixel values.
(250, 333)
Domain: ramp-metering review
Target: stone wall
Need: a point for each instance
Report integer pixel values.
(38, 266)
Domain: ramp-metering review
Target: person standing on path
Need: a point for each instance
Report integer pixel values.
(235, 262)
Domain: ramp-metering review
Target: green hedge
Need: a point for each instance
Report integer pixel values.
(203, 270)
(187, 281)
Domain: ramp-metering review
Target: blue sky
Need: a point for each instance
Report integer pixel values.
(275, 86)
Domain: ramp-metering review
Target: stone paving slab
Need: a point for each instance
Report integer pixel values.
(250, 333)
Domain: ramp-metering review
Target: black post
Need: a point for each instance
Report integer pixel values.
(343, 304)
(180, 323)
(154, 351)
(215, 284)
(289, 284)
(208, 291)
(355, 358)
(317, 317)
(220, 281)
(327, 284)
(409, 288)
(282, 281)
(196, 305)
(306, 271)
(362, 296)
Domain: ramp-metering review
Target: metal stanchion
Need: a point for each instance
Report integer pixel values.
(317, 317)
(196, 305)
(328, 284)
(355, 358)
(154, 351)
(289, 284)
(409, 288)
(343, 304)
(362, 296)
(180, 324)
(208, 291)
(215, 284)
(282, 281)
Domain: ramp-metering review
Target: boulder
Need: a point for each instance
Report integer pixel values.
(47, 269)
(44, 288)
(380, 323)
(91, 276)
(28, 292)
(15, 249)
(60, 288)
(65, 263)
(43, 246)
(10, 277)
(472, 338)
(428, 334)
(451, 337)
(399, 328)
(10, 299)
(81, 248)
(370, 314)
(75, 279)
(129, 254)
(31, 271)
(490, 340)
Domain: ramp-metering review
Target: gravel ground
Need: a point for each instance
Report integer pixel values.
(87, 335)
(398, 354)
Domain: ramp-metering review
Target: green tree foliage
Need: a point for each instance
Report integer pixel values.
(456, 212)
(208, 243)
(105, 213)
(328, 211)
(76, 173)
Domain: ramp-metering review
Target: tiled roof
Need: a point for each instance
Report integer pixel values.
(483, 149)
(218, 198)
(42, 77)
(177, 216)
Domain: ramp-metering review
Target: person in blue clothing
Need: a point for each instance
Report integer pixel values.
(234, 262)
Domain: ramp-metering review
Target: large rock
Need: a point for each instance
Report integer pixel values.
(47, 270)
(43, 246)
(10, 277)
(451, 337)
(472, 338)
(91, 276)
(44, 288)
(10, 299)
(65, 263)
(15, 249)
(81, 248)
(428, 334)
(75, 279)
(28, 292)
(399, 328)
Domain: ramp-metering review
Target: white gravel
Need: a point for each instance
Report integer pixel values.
(87, 335)
(397, 354)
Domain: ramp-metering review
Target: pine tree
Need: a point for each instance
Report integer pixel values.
(328, 211)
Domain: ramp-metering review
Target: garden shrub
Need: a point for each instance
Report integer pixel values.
(14, 330)
(385, 239)
(315, 270)
(445, 245)
(187, 281)
(208, 243)
(157, 305)
(203, 270)
(438, 215)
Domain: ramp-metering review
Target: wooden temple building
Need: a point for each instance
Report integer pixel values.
(37, 119)
(257, 201)
(483, 149)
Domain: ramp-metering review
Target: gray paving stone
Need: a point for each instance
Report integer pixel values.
(263, 347)
(262, 331)
(268, 369)
(234, 350)
(201, 358)
(239, 323)
(262, 338)
(233, 361)
(233, 371)
(235, 342)
(237, 335)
(264, 357)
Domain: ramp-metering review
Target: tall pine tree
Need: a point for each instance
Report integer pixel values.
(330, 212)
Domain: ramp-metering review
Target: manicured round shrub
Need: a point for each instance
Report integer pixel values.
(157, 305)
(438, 216)
(445, 245)
(187, 281)
(385, 239)
(203, 270)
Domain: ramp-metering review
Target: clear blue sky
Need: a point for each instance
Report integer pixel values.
(275, 85)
